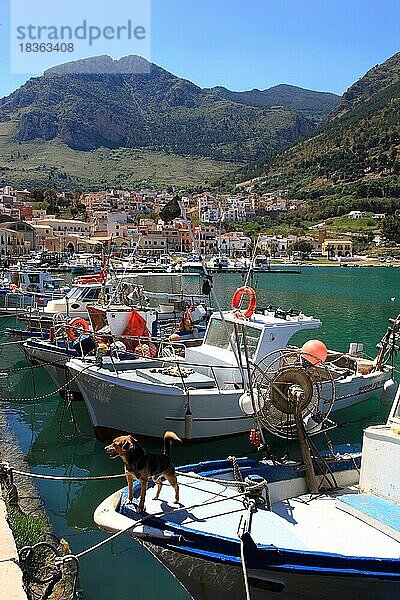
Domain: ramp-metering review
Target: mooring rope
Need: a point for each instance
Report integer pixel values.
(36, 366)
(244, 527)
(247, 487)
(5, 466)
(7, 469)
(145, 518)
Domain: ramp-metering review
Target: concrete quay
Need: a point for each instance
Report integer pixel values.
(11, 587)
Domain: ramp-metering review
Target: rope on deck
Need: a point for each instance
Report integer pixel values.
(246, 488)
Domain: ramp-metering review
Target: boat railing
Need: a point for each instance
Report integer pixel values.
(24, 299)
(14, 300)
(172, 354)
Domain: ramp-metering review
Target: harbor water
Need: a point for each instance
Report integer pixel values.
(354, 305)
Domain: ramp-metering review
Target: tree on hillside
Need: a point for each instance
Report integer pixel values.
(391, 228)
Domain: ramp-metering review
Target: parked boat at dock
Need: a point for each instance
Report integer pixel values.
(196, 390)
(26, 288)
(251, 528)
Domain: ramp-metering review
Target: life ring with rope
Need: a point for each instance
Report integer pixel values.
(76, 328)
(237, 298)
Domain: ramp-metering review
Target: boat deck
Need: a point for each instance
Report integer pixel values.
(303, 523)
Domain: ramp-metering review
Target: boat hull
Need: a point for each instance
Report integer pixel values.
(116, 405)
(199, 544)
(53, 360)
(121, 404)
(210, 579)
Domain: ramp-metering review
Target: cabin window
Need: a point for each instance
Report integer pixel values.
(217, 336)
(92, 294)
(34, 277)
(74, 293)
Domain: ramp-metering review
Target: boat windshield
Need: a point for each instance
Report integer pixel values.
(75, 292)
(217, 336)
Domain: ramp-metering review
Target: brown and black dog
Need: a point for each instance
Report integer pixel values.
(140, 464)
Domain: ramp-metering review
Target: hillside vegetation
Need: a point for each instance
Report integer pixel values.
(354, 155)
(43, 163)
(314, 105)
(111, 105)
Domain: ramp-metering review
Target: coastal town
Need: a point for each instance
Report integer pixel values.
(128, 221)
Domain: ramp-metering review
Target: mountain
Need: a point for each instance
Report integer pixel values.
(110, 106)
(314, 105)
(354, 153)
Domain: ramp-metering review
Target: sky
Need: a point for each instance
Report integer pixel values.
(323, 45)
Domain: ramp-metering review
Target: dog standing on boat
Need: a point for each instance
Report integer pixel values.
(140, 464)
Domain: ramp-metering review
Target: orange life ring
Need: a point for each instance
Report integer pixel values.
(75, 327)
(237, 298)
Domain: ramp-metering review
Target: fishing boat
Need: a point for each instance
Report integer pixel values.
(200, 392)
(83, 264)
(80, 337)
(308, 528)
(87, 289)
(193, 265)
(28, 288)
(122, 334)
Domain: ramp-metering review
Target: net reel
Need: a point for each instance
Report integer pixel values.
(292, 396)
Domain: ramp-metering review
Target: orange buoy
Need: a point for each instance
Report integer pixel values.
(76, 327)
(314, 351)
(237, 298)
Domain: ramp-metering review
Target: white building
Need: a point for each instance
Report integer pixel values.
(212, 215)
(355, 214)
(234, 242)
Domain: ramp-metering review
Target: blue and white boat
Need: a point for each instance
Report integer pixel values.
(29, 288)
(251, 528)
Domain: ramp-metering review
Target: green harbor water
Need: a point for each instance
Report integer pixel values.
(353, 304)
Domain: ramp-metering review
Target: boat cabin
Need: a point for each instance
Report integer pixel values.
(262, 333)
(76, 300)
(36, 282)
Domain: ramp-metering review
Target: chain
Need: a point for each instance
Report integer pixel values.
(50, 394)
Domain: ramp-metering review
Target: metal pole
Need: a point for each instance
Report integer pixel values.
(252, 261)
(197, 247)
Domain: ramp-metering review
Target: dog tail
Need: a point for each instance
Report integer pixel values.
(168, 437)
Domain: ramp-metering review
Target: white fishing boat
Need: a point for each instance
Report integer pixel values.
(90, 288)
(196, 391)
(82, 264)
(307, 528)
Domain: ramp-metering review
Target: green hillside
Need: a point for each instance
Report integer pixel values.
(355, 154)
(114, 107)
(314, 105)
(42, 163)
